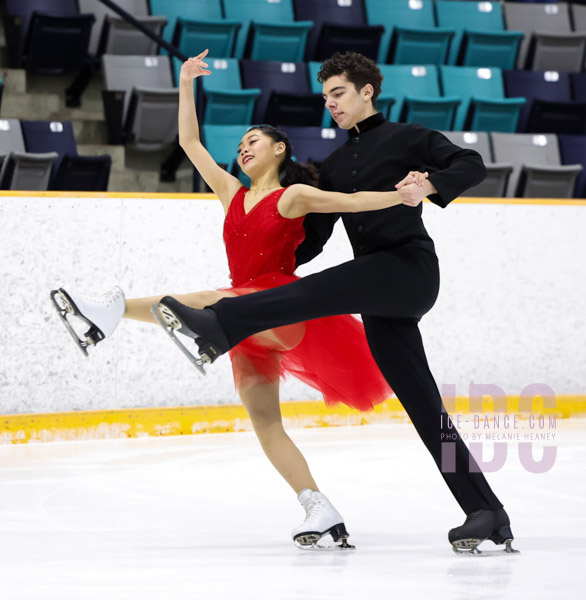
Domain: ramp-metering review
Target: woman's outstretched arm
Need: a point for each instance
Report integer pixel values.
(299, 200)
(222, 183)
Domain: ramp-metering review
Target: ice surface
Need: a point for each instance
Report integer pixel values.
(207, 517)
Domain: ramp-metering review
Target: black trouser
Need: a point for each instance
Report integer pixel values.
(392, 289)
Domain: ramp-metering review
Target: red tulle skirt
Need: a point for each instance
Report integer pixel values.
(330, 354)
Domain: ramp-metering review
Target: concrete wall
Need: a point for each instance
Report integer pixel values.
(511, 310)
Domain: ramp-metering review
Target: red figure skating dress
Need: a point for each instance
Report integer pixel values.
(330, 354)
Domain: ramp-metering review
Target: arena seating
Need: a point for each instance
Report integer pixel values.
(537, 167)
(495, 184)
(484, 106)
(470, 68)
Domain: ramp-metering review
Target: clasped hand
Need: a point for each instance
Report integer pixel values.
(415, 187)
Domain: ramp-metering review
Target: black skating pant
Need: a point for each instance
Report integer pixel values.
(392, 289)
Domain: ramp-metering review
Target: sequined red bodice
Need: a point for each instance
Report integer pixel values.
(261, 241)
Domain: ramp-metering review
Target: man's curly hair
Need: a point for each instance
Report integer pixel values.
(357, 69)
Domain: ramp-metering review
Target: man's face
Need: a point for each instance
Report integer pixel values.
(346, 105)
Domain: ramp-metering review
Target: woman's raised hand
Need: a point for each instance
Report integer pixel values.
(194, 67)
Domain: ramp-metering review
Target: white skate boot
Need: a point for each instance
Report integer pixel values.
(100, 313)
(322, 519)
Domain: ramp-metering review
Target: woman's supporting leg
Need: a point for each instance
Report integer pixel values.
(261, 401)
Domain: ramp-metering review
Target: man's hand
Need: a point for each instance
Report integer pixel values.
(414, 188)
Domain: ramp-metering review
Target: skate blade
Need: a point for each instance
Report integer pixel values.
(65, 308)
(469, 547)
(311, 542)
(169, 322)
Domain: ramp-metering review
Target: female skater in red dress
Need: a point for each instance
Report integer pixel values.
(262, 229)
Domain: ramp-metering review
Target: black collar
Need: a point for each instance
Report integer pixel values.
(369, 123)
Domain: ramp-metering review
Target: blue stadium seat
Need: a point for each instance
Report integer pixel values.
(578, 86)
(411, 36)
(481, 39)
(49, 37)
(286, 95)
(70, 171)
(339, 25)
(573, 151)
(314, 144)
(417, 96)
(269, 30)
(484, 106)
(550, 107)
(57, 44)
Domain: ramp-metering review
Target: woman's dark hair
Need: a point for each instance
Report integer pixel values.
(357, 69)
(290, 171)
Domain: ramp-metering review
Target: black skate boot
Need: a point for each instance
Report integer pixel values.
(501, 532)
(200, 325)
(479, 525)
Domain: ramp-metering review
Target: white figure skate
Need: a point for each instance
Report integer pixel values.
(100, 313)
(322, 519)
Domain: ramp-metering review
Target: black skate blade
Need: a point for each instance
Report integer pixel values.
(165, 323)
(67, 307)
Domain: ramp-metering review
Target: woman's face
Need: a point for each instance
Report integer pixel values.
(257, 153)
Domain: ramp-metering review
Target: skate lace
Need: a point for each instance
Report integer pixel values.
(313, 507)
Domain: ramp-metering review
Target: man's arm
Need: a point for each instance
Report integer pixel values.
(318, 227)
(452, 170)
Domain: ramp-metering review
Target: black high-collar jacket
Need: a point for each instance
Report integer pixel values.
(376, 157)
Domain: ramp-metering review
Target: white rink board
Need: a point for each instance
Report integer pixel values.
(511, 310)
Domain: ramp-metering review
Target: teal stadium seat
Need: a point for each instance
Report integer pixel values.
(194, 25)
(226, 102)
(484, 106)
(481, 39)
(221, 141)
(411, 36)
(269, 30)
(316, 88)
(417, 96)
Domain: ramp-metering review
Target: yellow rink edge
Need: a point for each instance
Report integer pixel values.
(188, 420)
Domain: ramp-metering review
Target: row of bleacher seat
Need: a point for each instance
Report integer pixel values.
(42, 155)
(519, 165)
(141, 99)
(51, 35)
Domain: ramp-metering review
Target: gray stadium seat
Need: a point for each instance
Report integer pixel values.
(120, 37)
(549, 44)
(537, 169)
(11, 139)
(27, 171)
(495, 184)
(140, 101)
(137, 8)
(579, 17)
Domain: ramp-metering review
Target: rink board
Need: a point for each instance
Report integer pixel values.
(153, 422)
(511, 310)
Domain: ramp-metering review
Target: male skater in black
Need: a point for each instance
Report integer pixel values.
(392, 281)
